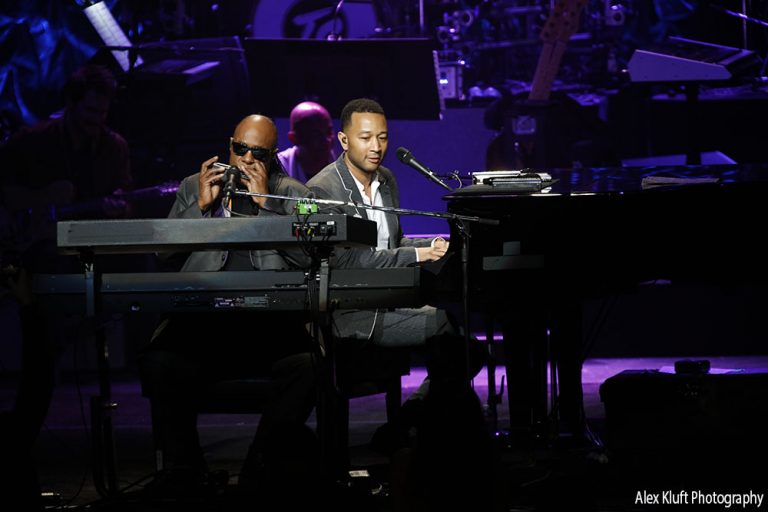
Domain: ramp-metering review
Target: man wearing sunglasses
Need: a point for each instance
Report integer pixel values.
(252, 150)
(187, 355)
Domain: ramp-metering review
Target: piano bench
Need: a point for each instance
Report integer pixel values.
(361, 371)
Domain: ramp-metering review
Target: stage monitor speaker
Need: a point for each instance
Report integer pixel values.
(688, 429)
(402, 74)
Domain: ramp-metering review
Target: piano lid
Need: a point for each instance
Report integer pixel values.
(622, 180)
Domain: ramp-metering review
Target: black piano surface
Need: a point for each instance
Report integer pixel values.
(590, 230)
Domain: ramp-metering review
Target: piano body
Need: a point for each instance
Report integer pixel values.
(590, 233)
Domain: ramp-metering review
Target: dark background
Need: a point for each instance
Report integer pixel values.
(173, 125)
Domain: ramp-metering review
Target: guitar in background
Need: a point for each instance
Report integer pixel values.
(34, 212)
(69, 165)
(538, 130)
(562, 23)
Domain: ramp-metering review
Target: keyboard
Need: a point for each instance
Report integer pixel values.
(277, 290)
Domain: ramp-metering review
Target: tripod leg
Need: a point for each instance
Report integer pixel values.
(104, 460)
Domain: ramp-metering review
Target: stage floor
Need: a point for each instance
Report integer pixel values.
(538, 478)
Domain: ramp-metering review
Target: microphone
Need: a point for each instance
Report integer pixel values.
(407, 158)
(229, 185)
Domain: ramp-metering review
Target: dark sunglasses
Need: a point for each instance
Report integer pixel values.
(260, 154)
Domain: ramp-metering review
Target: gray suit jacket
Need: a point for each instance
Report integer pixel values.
(185, 207)
(335, 182)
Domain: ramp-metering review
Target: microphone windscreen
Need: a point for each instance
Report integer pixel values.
(403, 155)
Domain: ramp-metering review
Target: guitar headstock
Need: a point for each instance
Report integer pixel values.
(563, 21)
(169, 187)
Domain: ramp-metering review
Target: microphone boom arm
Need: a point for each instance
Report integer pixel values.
(388, 209)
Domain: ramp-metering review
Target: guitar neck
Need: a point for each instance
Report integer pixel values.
(96, 206)
(560, 26)
(546, 71)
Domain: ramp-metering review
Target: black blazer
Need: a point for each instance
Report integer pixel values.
(185, 207)
(335, 181)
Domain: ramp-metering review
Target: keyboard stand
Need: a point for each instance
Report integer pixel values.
(88, 238)
(692, 149)
(102, 433)
(331, 445)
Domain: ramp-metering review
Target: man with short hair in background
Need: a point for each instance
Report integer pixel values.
(311, 134)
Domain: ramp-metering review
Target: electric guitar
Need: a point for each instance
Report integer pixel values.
(561, 24)
(35, 212)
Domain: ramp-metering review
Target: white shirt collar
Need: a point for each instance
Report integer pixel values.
(382, 228)
(374, 186)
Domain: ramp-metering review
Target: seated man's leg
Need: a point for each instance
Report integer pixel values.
(185, 357)
(437, 331)
(173, 383)
(295, 393)
(426, 327)
(452, 449)
(286, 346)
(391, 329)
(285, 451)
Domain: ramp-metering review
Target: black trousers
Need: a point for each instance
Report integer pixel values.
(189, 353)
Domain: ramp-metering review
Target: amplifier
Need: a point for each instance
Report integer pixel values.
(689, 428)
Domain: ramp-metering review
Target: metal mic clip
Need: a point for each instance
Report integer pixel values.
(230, 170)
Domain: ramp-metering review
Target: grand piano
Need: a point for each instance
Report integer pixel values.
(579, 234)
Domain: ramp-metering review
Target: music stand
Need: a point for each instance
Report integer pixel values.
(399, 73)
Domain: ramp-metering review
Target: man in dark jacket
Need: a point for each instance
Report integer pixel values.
(190, 353)
(358, 177)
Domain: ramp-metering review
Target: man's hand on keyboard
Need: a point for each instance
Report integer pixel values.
(432, 253)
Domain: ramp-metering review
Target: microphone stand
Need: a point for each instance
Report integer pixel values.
(334, 35)
(388, 209)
